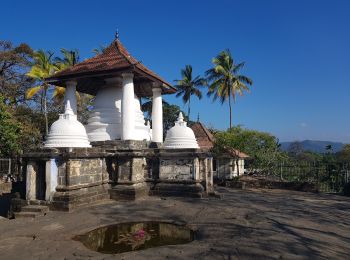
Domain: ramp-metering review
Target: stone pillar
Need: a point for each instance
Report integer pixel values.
(32, 170)
(51, 171)
(70, 99)
(157, 116)
(128, 108)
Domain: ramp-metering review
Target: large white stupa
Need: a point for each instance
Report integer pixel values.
(105, 122)
(180, 136)
(118, 81)
(67, 131)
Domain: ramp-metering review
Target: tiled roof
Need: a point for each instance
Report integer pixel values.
(114, 58)
(205, 140)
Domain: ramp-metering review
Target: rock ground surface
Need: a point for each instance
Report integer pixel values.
(244, 224)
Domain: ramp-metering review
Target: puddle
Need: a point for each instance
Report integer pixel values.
(134, 236)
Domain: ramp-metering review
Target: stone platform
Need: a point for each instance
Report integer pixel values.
(121, 170)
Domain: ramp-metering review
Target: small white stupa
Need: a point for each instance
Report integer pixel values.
(180, 136)
(67, 131)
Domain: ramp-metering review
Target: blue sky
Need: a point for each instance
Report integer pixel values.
(296, 51)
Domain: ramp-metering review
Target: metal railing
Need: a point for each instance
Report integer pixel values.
(9, 169)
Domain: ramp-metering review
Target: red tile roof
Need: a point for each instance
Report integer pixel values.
(114, 58)
(205, 140)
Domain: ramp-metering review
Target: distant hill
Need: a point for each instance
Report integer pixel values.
(315, 146)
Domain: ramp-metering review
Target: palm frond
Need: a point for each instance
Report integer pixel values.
(33, 91)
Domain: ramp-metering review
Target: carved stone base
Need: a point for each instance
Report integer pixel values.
(69, 200)
(129, 192)
(195, 190)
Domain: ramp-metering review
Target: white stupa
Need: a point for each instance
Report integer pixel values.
(180, 136)
(67, 131)
(105, 120)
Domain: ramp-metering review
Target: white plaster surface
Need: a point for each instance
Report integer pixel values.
(180, 136)
(105, 122)
(157, 116)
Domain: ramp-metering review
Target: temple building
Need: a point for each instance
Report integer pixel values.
(226, 165)
(117, 155)
(118, 81)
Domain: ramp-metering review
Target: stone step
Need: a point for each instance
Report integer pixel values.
(35, 208)
(26, 214)
(32, 211)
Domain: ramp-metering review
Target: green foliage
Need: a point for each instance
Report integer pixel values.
(9, 131)
(170, 113)
(344, 155)
(225, 80)
(188, 86)
(14, 62)
(262, 148)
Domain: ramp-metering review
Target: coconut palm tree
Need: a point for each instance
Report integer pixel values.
(42, 68)
(101, 49)
(224, 80)
(188, 86)
(70, 58)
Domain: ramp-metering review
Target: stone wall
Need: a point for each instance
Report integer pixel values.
(182, 172)
(129, 172)
(226, 168)
(120, 171)
(80, 181)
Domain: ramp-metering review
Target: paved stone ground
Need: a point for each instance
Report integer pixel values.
(245, 224)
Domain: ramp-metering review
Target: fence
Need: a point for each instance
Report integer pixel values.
(9, 168)
(329, 177)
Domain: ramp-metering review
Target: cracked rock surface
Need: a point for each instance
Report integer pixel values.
(244, 224)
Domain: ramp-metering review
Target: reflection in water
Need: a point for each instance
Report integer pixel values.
(126, 237)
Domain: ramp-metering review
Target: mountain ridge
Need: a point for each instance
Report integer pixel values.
(315, 145)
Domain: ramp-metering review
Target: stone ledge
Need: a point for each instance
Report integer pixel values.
(178, 190)
(69, 200)
(121, 144)
(129, 192)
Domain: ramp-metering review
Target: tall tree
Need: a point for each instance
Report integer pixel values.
(69, 59)
(9, 131)
(188, 86)
(14, 62)
(262, 148)
(225, 82)
(42, 68)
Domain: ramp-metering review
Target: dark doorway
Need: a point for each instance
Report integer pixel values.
(41, 181)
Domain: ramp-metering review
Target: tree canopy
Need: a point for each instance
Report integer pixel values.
(262, 148)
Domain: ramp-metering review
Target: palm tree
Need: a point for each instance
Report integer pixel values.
(188, 86)
(42, 68)
(225, 82)
(70, 58)
(101, 49)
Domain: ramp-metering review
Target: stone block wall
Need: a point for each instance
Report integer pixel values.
(80, 181)
(182, 172)
(85, 176)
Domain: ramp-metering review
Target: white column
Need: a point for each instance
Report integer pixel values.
(128, 107)
(157, 116)
(70, 99)
(51, 179)
(31, 175)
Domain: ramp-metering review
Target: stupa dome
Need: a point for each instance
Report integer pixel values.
(67, 131)
(105, 119)
(180, 136)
